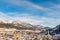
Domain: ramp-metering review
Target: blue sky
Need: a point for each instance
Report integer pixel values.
(36, 12)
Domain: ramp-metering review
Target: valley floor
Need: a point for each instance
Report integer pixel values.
(13, 34)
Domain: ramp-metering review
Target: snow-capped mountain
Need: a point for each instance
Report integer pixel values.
(20, 25)
(53, 31)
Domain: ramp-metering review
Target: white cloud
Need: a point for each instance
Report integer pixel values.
(24, 3)
(29, 18)
(37, 20)
(52, 11)
(34, 19)
(4, 16)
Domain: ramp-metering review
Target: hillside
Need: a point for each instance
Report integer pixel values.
(20, 25)
(52, 31)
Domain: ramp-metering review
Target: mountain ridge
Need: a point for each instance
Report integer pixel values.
(19, 25)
